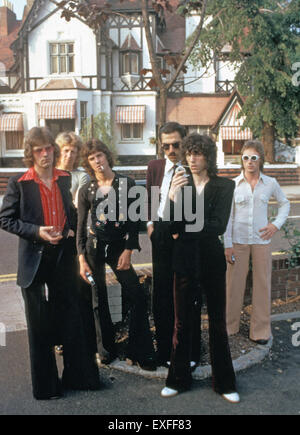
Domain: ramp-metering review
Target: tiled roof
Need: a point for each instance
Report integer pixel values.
(62, 84)
(202, 110)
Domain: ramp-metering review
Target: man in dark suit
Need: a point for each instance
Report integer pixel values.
(159, 176)
(38, 208)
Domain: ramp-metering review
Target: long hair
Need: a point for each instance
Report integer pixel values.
(91, 147)
(38, 136)
(203, 144)
(259, 148)
(70, 139)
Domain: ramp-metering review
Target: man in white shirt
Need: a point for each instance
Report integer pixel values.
(249, 232)
(159, 177)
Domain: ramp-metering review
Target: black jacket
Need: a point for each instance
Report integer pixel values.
(22, 214)
(115, 228)
(203, 250)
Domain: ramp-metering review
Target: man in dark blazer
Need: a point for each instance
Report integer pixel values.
(38, 208)
(159, 176)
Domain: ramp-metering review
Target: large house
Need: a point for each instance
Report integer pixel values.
(60, 74)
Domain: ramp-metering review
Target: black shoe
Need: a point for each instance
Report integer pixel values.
(108, 359)
(54, 396)
(148, 364)
(261, 342)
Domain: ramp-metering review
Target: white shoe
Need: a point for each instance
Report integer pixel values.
(231, 397)
(193, 364)
(168, 392)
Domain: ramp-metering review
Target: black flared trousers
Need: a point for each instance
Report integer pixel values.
(189, 290)
(140, 345)
(53, 317)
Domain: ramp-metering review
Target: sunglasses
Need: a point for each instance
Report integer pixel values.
(253, 158)
(166, 146)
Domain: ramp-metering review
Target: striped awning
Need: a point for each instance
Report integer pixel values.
(236, 133)
(130, 114)
(11, 122)
(57, 109)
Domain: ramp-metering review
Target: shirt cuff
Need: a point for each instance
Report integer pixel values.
(228, 243)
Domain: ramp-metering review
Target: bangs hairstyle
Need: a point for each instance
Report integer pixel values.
(258, 147)
(201, 144)
(70, 139)
(92, 147)
(36, 137)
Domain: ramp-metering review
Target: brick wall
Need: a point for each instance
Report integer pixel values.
(285, 282)
(289, 176)
(285, 176)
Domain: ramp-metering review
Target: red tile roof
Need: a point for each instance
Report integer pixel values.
(202, 110)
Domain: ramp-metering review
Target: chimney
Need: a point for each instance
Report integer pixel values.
(27, 8)
(8, 18)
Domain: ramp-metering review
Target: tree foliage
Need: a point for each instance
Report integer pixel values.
(264, 40)
(95, 14)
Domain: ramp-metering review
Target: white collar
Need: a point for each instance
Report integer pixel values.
(241, 177)
(170, 165)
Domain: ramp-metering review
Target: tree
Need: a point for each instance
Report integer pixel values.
(264, 36)
(96, 14)
(99, 126)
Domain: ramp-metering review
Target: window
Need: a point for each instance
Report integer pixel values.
(14, 140)
(58, 125)
(83, 117)
(130, 63)
(132, 131)
(62, 58)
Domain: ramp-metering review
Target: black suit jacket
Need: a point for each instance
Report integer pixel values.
(22, 214)
(203, 249)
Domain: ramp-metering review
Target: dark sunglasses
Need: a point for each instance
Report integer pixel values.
(166, 146)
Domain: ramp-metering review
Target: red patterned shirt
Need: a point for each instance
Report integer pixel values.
(52, 203)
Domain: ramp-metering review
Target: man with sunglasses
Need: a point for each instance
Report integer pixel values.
(249, 233)
(159, 177)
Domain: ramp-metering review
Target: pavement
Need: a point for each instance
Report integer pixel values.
(137, 391)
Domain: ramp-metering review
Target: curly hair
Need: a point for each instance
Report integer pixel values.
(197, 143)
(35, 137)
(91, 147)
(70, 139)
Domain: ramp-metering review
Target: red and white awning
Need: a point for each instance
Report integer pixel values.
(236, 133)
(130, 114)
(57, 109)
(11, 122)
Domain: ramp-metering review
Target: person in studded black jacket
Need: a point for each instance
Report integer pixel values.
(111, 239)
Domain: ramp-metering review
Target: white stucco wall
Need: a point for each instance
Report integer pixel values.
(141, 147)
(56, 29)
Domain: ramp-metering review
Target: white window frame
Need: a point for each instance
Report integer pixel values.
(131, 138)
(61, 56)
